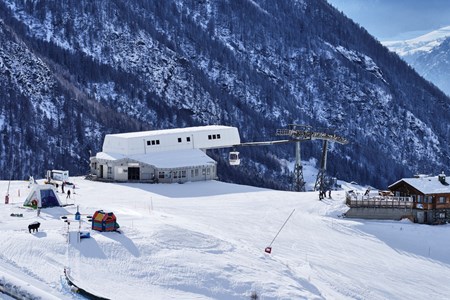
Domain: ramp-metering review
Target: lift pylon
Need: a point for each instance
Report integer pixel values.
(298, 134)
(321, 185)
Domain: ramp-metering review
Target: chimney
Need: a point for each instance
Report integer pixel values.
(441, 178)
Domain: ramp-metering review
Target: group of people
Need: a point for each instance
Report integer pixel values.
(62, 189)
(323, 194)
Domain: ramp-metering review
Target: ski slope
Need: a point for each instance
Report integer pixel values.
(206, 240)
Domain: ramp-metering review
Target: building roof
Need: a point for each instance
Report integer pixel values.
(169, 131)
(426, 185)
(167, 159)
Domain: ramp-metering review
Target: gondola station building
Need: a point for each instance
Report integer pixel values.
(165, 156)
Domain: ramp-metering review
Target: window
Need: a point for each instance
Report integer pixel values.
(157, 142)
(209, 137)
(196, 172)
(188, 139)
(183, 174)
(179, 140)
(153, 142)
(161, 175)
(208, 171)
(148, 143)
(175, 174)
(109, 173)
(214, 136)
(419, 198)
(442, 199)
(192, 173)
(218, 136)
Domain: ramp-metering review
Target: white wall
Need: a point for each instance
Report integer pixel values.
(133, 143)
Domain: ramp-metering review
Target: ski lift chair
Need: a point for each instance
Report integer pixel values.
(234, 159)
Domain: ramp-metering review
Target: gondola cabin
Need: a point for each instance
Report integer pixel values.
(234, 159)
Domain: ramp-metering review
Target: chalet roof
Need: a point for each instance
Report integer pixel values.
(139, 134)
(167, 159)
(426, 185)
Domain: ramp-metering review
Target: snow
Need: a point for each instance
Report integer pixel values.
(423, 43)
(206, 240)
(146, 134)
(166, 159)
(427, 184)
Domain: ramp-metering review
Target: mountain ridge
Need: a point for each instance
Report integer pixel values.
(256, 65)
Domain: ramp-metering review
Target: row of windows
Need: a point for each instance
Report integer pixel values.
(429, 199)
(152, 142)
(188, 139)
(182, 174)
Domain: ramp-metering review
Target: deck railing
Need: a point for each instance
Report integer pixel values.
(361, 200)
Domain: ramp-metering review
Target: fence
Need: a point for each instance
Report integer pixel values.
(360, 200)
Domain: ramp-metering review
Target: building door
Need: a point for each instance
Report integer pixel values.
(133, 173)
(101, 171)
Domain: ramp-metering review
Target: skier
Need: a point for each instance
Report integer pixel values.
(68, 194)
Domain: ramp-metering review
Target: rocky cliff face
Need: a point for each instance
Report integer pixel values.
(74, 71)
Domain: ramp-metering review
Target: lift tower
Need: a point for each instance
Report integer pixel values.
(299, 133)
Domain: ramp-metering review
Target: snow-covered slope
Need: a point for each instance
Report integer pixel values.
(206, 240)
(75, 72)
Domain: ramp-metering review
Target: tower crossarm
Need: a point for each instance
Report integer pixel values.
(305, 135)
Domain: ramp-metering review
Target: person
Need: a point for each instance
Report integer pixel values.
(68, 194)
(329, 193)
(320, 195)
(62, 187)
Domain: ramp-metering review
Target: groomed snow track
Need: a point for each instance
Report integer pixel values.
(75, 288)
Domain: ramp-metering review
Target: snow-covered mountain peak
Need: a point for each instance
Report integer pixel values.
(423, 43)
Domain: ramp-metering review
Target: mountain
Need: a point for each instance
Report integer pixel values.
(75, 71)
(429, 55)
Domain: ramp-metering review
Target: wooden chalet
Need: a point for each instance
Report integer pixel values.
(430, 196)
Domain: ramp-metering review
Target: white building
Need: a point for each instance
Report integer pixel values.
(170, 155)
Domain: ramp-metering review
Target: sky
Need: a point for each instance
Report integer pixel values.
(396, 19)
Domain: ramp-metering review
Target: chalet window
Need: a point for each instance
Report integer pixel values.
(419, 198)
(161, 175)
(429, 199)
(441, 199)
(183, 174)
(179, 140)
(188, 139)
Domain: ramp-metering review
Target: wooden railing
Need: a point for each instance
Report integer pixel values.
(360, 200)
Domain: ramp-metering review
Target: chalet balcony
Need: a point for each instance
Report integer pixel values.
(377, 201)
